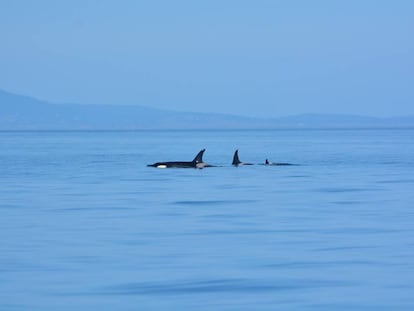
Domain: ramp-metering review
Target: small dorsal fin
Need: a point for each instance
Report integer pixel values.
(199, 157)
(236, 160)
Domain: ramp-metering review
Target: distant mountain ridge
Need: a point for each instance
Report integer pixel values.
(19, 112)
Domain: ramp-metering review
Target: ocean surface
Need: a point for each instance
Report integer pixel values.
(85, 225)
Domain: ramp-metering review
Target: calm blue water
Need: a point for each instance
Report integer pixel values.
(86, 225)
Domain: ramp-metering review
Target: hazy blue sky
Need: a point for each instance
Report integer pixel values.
(257, 58)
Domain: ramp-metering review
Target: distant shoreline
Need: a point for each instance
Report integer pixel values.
(22, 113)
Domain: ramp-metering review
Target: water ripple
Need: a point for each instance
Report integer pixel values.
(339, 190)
(217, 286)
(213, 202)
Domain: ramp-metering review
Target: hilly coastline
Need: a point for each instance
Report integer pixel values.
(27, 113)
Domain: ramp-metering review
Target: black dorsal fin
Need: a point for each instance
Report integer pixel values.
(199, 157)
(236, 160)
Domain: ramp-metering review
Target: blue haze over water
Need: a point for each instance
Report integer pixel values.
(85, 224)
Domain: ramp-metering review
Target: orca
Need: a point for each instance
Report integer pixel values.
(267, 162)
(236, 160)
(196, 163)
